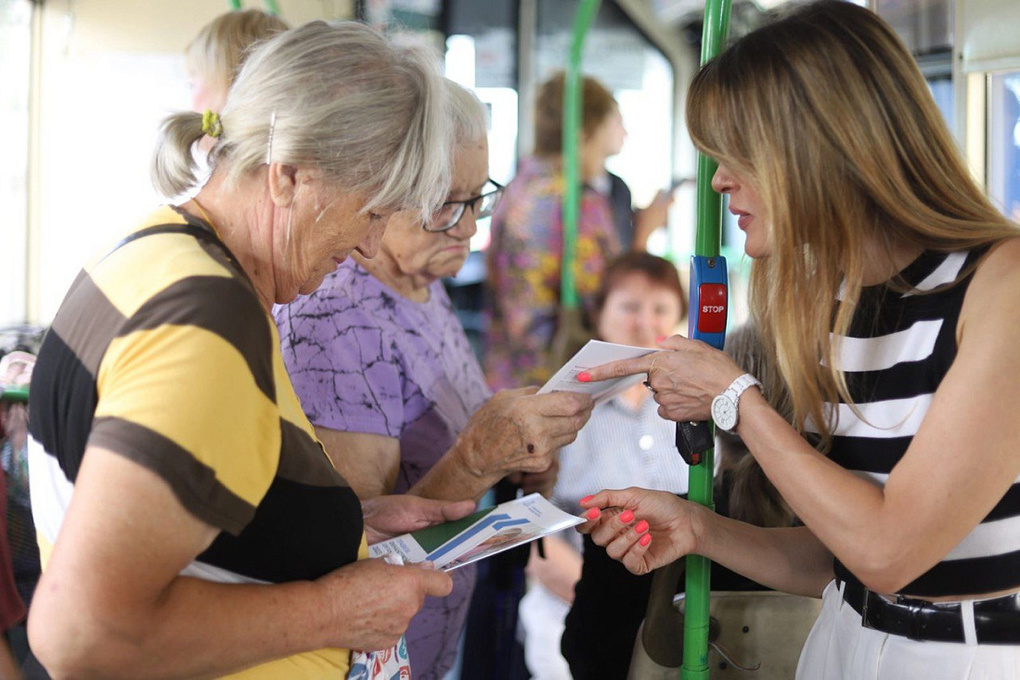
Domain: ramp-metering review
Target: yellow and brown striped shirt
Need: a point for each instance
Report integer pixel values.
(162, 353)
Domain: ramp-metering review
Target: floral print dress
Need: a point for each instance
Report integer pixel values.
(524, 265)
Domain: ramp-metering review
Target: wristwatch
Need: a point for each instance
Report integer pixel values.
(724, 407)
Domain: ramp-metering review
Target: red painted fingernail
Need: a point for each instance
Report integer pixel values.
(626, 516)
(593, 513)
(645, 540)
(641, 527)
(586, 499)
(584, 376)
(661, 338)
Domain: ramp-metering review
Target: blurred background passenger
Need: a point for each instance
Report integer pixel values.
(19, 552)
(626, 443)
(214, 58)
(387, 376)
(607, 590)
(12, 607)
(190, 522)
(526, 252)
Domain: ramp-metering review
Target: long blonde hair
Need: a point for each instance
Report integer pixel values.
(826, 113)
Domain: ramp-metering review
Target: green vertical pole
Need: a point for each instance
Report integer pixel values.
(707, 244)
(14, 394)
(572, 104)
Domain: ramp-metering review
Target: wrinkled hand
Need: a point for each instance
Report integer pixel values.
(389, 516)
(520, 431)
(373, 602)
(686, 377)
(642, 529)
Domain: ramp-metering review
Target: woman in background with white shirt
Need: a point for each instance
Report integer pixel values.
(625, 443)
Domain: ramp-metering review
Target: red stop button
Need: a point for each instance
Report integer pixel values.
(712, 308)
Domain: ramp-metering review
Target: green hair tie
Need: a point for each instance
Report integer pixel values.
(211, 124)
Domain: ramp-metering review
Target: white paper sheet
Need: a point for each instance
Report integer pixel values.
(595, 353)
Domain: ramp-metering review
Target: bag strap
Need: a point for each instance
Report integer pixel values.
(191, 229)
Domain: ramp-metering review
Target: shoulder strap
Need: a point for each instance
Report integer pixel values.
(197, 232)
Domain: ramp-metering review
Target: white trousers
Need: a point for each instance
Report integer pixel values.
(840, 648)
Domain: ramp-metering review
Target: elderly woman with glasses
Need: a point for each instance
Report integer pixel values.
(387, 376)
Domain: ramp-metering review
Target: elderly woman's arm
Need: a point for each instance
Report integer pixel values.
(369, 462)
(515, 431)
(111, 602)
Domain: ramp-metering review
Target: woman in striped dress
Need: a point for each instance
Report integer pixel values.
(885, 285)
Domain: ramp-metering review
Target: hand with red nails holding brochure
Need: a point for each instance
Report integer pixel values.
(643, 529)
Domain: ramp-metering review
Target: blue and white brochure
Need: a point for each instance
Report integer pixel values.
(479, 535)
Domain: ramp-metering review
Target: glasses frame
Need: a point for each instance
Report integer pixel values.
(461, 207)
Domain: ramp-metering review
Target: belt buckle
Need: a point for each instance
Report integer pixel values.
(867, 610)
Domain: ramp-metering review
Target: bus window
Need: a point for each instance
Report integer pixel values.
(1004, 142)
(15, 50)
(927, 29)
(481, 54)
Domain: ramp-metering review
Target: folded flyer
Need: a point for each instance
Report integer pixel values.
(479, 535)
(596, 353)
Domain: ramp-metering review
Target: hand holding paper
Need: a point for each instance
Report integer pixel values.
(596, 353)
(480, 535)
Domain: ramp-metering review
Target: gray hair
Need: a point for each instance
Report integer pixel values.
(470, 117)
(338, 97)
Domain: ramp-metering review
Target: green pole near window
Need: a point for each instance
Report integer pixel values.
(14, 394)
(707, 244)
(572, 104)
(271, 7)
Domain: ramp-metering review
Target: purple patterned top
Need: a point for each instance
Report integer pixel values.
(365, 359)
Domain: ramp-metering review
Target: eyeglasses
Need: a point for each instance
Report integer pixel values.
(449, 213)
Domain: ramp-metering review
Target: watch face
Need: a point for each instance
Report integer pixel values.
(724, 413)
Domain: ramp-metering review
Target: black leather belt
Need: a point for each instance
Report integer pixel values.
(996, 621)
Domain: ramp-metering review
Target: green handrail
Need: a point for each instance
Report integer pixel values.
(271, 7)
(707, 244)
(572, 106)
(17, 395)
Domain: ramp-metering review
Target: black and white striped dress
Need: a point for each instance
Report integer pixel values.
(898, 350)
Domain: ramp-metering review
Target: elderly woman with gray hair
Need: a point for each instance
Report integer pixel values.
(190, 522)
(386, 375)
